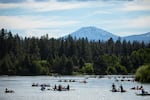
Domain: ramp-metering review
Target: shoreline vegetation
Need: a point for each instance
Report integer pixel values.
(70, 56)
(143, 74)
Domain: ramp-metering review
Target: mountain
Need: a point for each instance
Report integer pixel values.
(142, 37)
(93, 33)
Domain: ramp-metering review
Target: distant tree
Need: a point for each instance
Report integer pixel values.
(111, 70)
(124, 48)
(88, 69)
(118, 47)
(143, 73)
(110, 46)
(34, 49)
(81, 62)
(135, 59)
(100, 65)
(57, 68)
(44, 55)
(44, 47)
(126, 61)
(6, 66)
(75, 60)
(69, 68)
(121, 69)
(2, 43)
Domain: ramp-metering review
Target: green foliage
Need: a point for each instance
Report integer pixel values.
(81, 62)
(68, 68)
(140, 57)
(6, 66)
(111, 70)
(116, 68)
(100, 65)
(143, 73)
(36, 56)
(110, 59)
(126, 61)
(40, 68)
(88, 68)
(120, 69)
(36, 68)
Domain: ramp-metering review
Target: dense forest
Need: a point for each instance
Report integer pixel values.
(66, 56)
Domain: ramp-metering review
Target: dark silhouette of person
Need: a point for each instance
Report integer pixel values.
(68, 87)
(141, 87)
(59, 88)
(113, 86)
(55, 87)
(121, 88)
(6, 90)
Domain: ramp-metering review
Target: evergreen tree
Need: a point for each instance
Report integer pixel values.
(81, 62)
(69, 68)
(36, 56)
(99, 65)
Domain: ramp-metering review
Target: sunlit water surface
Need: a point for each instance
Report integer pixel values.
(95, 89)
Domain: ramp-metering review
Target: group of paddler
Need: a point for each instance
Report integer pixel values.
(61, 88)
(119, 90)
(143, 92)
(9, 91)
(57, 88)
(37, 84)
(83, 81)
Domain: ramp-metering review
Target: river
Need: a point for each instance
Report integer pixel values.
(95, 89)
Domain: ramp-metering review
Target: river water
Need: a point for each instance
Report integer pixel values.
(96, 88)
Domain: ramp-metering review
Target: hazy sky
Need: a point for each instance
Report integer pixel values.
(61, 17)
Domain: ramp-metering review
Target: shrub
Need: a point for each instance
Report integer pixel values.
(143, 73)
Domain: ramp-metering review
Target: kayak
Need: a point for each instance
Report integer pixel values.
(146, 94)
(63, 90)
(117, 91)
(9, 91)
(114, 91)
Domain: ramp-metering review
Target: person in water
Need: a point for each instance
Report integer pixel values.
(143, 91)
(121, 88)
(55, 87)
(113, 86)
(42, 87)
(68, 87)
(59, 88)
(6, 90)
(141, 87)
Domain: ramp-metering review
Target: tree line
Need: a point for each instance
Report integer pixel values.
(66, 56)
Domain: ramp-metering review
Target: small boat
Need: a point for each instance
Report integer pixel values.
(123, 91)
(114, 91)
(43, 88)
(63, 89)
(83, 81)
(136, 88)
(35, 84)
(145, 94)
(118, 91)
(9, 91)
(45, 85)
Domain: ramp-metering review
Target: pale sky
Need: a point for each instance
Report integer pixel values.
(61, 17)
